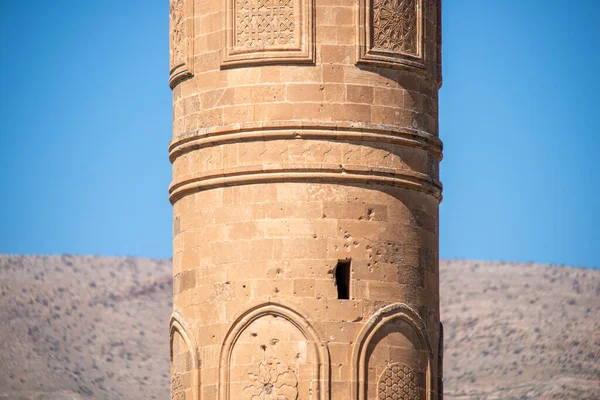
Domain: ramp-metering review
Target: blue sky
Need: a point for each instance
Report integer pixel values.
(85, 96)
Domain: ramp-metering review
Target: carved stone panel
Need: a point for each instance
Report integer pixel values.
(395, 26)
(264, 23)
(398, 381)
(269, 31)
(180, 367)
(181, 40)
(272, 379)
(439, 40)
(391, 33)
(394, 350)
(272, 354)
(267, 360)
(441, 364)
(392, 358)
(184, 361)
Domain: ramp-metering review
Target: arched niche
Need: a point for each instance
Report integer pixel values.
(271, 351)
(392, 357)
(185, 368)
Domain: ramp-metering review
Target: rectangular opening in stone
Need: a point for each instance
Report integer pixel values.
(342, 279)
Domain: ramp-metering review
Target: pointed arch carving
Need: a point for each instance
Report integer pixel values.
(185, 365)
(308, 372)
(384, 320)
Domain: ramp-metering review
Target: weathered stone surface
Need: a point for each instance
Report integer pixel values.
(305, 193)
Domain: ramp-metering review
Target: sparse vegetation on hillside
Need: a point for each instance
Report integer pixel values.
(97, 328)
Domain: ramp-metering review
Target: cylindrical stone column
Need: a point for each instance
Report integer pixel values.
(305, 192)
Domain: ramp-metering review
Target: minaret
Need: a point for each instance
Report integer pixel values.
(305, 193)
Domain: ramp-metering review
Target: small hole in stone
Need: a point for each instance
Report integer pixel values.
(268, 388)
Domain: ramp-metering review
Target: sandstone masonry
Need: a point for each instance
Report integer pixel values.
(305, 192)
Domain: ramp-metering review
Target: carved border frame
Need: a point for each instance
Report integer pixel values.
(270, 308)
(366, 54)
(377, 321)
(303, 53)
(184, 70)
(178, 323)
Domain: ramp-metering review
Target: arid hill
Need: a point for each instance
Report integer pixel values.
(97, 328)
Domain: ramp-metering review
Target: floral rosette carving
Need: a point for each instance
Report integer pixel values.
(272, 380)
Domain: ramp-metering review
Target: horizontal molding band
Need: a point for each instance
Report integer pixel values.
(340, 175)
(302, 130)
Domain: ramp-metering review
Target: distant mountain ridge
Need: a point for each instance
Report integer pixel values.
(75, 327)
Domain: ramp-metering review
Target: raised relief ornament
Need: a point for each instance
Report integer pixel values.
(177, 390)
(181, 28)
(398, 382)
(269, 31)
(391, 32)
(272, 379)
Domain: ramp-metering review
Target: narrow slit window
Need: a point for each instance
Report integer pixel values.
(342, 279)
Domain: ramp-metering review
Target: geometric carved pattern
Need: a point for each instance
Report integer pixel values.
(395, 26)
(268, 32)
(398, 382)
(265, 23)
(391, 33)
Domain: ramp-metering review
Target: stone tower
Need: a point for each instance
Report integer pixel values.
(305, 191)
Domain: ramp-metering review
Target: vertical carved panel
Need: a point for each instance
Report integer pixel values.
(440, 387)
(184, 361)
(269, 31)
(181, 40)
(439, 41)
(177, 33)
(391, 32)
(181, 367)
(395, 26)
